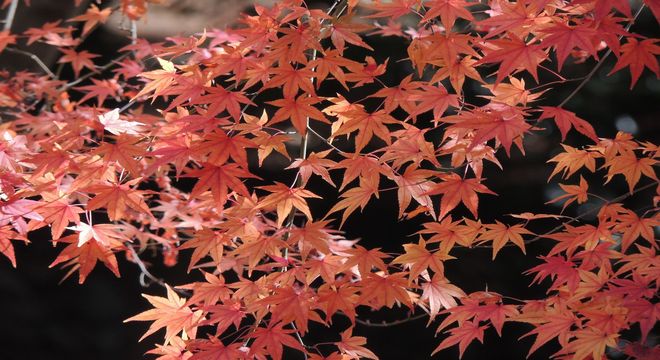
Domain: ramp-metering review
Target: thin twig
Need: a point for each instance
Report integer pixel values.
(11, 13)
(135, 258)
(390, 323)
(34, 58)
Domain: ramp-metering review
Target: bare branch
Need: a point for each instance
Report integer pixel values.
(11, 13)
(390, 323)
(34, 58)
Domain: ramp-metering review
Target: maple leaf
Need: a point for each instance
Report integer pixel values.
(92, 17)
(440, 294)
(266, 143)
(365, 74)
(353, 198)
(161, 79)
(463, 336)
(573, 193)
(223, 316)
(634, 226)
(218, 147)
(420, 259)
(331, 62)
(214, 349)
(637, 55)
(402, 96)
(434, 98)
(177, 150)
(100, 90)
(272, 340)
(285, 199)
(313, 235)
(393, 9)
(353, 345)
(365, 259)
(565, 119)
(447, 233)
(343, 31)
(495, 121)
(360, 166)
(116, 198)
(448, 10)
(367, 125)
(78, 60)
(413, 184)
(291, 80)
(589, 342)
(47, 28)
(457, 71)
(513, 17)
(572, 160)
(565, 38)
(6, 248)
(512, 94)
(631, 167)
(291, 304)
(456, 189)
(114, 125)
(219, 179)
(552, 325)
(6, 38)
(123, 151)
(513, 54)
(83, 254)
(221, 99)
(205, 242)
(175, 350)
(299, 110)
(59, 214)
(342, 298)
(170, 313)
(501, 233)
(384, 290)
(315, 163)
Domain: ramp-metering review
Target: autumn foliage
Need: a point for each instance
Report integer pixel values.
(103, 162)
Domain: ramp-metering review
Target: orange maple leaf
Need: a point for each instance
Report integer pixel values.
(455, 189)
(463, 336)
(299, 110)
(500, 234)
(440, 294)
(353, 345)
(637, 55)
(513, 54)
(420, 259)
(573, 193)
(170, 313)
(116, 198)
(564, 119)
(285, 199)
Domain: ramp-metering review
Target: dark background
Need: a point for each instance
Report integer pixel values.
(46, 320)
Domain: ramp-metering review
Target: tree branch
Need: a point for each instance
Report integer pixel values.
(34, 58)
(390, 323)
(11, 13)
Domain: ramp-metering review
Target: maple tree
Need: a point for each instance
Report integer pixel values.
(162, 149)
